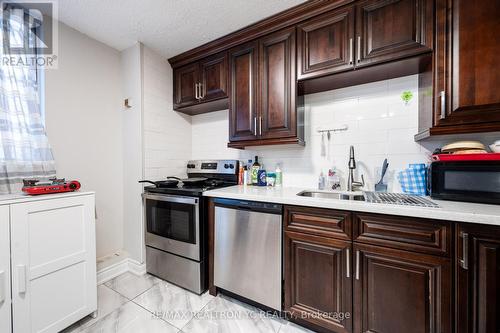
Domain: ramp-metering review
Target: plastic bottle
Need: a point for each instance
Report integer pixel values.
(321, 181)
(333, 179)
(279, 175)
(245, 175)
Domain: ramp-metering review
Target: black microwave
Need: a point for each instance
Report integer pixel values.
(470, 181)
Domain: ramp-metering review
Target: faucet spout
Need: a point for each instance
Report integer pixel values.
(351, 183)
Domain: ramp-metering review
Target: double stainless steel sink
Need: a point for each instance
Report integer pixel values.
(373, 197)
(332, 195)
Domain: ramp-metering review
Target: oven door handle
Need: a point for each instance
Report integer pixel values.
(171, 198)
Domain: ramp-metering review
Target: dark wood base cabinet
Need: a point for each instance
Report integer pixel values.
(319, 281)
(385, 274)
(478, 279)
(400, 291)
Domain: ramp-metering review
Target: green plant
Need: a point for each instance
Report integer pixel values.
(406, 96)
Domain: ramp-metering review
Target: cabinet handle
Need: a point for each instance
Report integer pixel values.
(351, 50)
(260, 125)
(21, 279)
(357, 265)
(196, 91)
(255, 126)
(348, 262)
(359, 49)
(202, 92)
(2, 286)
(442, 95)
(464, 262)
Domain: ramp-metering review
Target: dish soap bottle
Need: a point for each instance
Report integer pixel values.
(255, 171)
(333, 179)
(279, 176)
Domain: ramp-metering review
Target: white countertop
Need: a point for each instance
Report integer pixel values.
(8, 199)
(449, 210)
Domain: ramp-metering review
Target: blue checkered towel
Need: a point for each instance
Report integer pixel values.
(414, 179)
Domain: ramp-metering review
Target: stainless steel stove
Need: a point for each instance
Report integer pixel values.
(176, 223)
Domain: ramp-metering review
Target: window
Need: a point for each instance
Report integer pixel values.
(24, 147)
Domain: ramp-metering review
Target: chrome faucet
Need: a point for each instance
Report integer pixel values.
(353, 185)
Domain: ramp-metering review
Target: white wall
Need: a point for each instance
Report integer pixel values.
(380, 126)
(167, 134)
(133, 164)
(84, 126)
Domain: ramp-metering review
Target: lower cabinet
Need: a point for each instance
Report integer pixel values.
(392, 275)
(477, 279)
(5, 298)
(318, 281)
(400, 291)
(52, 250)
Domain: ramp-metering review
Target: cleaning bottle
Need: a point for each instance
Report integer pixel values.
(279, 175)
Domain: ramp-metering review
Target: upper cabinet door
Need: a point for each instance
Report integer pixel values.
(186, 83)
(214, 77)
(277, 117)
(391, 29)
(468, 74)
(5, 296)
(243, 64)
(325, 44)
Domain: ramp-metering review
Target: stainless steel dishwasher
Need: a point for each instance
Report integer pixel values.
(248, 244)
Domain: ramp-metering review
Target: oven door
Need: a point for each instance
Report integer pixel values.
(172, 224)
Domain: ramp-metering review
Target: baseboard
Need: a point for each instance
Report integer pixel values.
(114, 270)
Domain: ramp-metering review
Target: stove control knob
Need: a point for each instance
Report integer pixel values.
(191, 166)
(231, 166)
(226, 166)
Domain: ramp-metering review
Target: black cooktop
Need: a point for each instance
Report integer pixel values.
(192, 191)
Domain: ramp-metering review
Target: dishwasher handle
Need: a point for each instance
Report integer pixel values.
(253, 206)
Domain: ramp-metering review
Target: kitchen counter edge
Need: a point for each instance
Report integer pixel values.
(449, 210)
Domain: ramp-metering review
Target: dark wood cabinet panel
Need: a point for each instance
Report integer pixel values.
(392, 29)
(318, 221)
(399, 291)
(478, 279)
(466, 63)
(318, 280)
(214, 77)
(277, 118)
(405, 233)
(325, 44)
(185, 80)
(243, 92)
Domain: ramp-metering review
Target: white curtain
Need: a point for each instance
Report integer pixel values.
(24, 147)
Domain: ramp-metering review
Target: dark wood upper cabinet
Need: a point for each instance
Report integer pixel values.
(201, 86)
(392, 29)
(477, 279)
(214, 77)
(318, 280)
(399, 291)
(466, 76)
(263, 104)
(277, 91)
(325, 44)
(243, 69)
(186, 79)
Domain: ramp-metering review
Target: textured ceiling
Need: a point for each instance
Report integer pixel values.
(169, 27)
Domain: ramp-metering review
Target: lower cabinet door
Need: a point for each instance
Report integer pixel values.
(398, 291)
(5, 296)
(318, 281)
(53, 263)
(478, 279)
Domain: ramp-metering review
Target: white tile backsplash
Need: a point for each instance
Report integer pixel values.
(380, 125)
(167, 134)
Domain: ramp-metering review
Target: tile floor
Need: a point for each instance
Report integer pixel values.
(133, 304)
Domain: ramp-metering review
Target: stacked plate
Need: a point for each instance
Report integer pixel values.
(464, 147)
